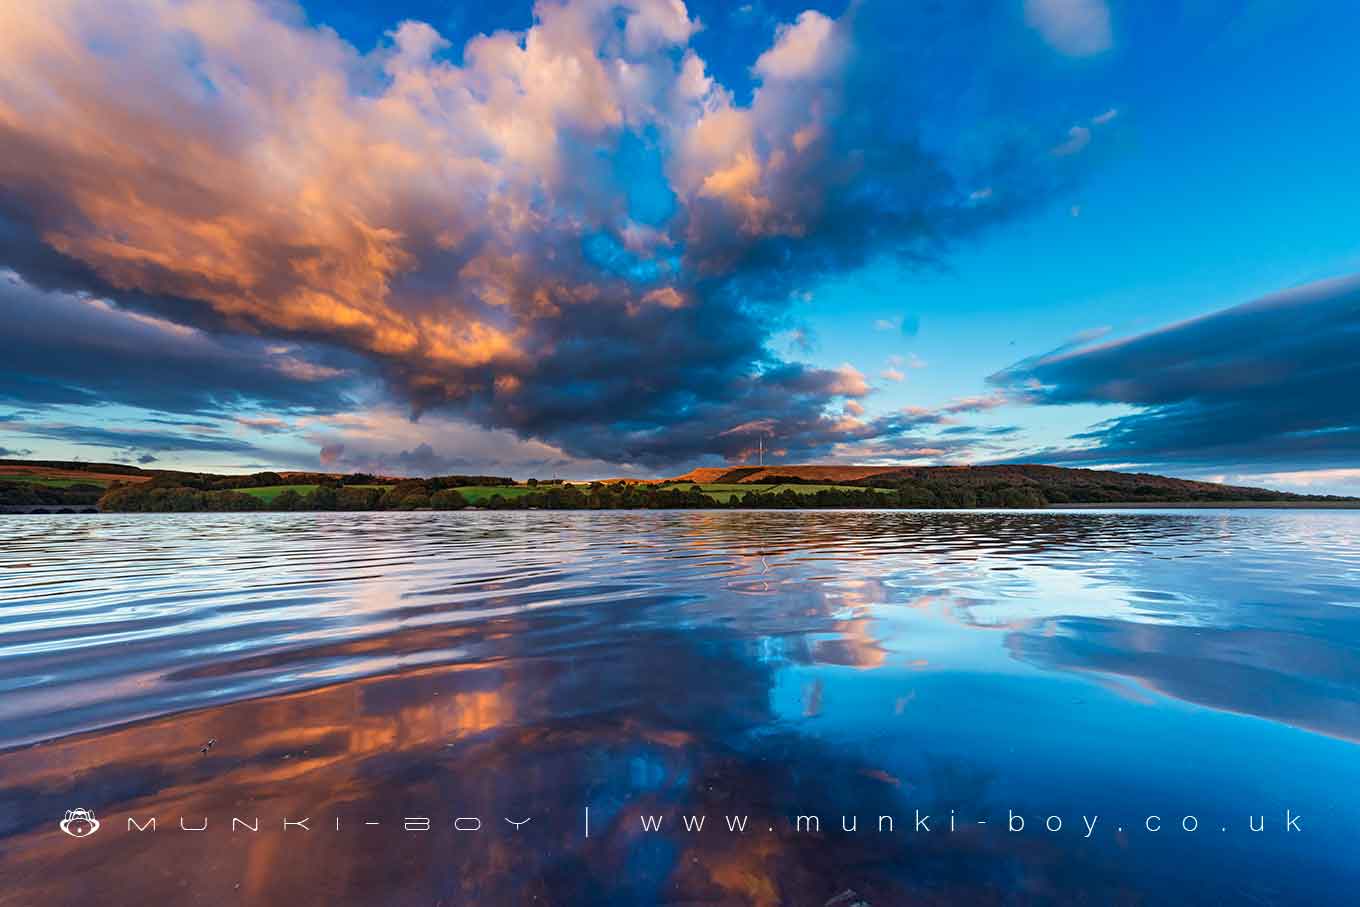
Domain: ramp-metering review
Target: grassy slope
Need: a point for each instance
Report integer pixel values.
(724, 492)
(477, 494)
(269, 492)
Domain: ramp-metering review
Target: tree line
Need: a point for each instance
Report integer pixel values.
(188, 492)
(160, 496)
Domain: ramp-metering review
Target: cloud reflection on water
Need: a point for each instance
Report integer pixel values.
(762, 663)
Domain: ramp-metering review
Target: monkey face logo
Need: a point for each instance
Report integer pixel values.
(79, 823)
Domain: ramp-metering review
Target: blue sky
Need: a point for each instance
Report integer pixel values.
(630, 240)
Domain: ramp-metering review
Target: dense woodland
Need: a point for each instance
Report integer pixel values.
(37, 495)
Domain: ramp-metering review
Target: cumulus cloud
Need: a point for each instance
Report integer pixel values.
(1268, 381)
(459, 230)
(1078, 28)
(806, 49)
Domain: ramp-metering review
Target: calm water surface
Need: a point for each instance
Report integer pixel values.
(371, 667)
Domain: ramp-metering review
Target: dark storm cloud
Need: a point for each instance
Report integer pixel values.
(496, 260)
(423, 461)
(67, 349)
(1267, 382)
(134, 439)
(25, 252)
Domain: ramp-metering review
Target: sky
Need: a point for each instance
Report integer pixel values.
(588, 239)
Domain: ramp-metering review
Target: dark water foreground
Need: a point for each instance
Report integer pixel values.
(1110, 671)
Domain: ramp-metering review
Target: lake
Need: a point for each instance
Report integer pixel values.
(527, 708)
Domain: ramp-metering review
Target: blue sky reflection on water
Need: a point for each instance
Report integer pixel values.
(1104, 664)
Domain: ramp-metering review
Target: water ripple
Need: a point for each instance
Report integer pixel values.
(123, 617)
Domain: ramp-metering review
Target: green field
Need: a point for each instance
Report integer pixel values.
(480, 494)
(54, 481)
(268, 493)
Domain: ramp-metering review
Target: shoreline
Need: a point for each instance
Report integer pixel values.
(1214, 505)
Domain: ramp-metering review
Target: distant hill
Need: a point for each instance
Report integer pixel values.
(1056, 484)
(73, 469)
(775, 475)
